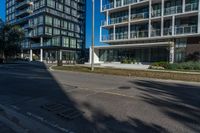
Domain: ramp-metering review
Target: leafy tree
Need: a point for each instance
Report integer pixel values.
(10, 40)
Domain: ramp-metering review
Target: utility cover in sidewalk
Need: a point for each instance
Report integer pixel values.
(62, 110)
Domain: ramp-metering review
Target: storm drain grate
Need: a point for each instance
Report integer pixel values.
(62, 110)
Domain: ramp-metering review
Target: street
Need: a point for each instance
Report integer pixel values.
(106, 103)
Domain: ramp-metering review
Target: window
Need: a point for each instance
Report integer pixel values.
(72, 43)
(65, 42)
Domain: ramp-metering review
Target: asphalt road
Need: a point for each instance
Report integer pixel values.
(107, 104)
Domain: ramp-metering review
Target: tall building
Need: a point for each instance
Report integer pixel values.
(54, 29)
(148, 30)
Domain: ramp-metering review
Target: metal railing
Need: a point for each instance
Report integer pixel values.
(139, 16)
(118, 20)
(119, 36)
(185, 29)
(107, 37)
(155, 32)
(156, 13)
(191, 7)
(139, 34)
(126, 2)
(167, 31)
(173, 10)
(19, 4)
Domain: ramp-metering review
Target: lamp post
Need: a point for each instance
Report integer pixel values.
(92, 57)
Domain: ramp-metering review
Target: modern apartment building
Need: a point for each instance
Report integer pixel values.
(148, 30)
(54, 29)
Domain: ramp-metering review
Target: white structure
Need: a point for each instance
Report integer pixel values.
(148, 30)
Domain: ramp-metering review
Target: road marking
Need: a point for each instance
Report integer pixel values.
(104, 92)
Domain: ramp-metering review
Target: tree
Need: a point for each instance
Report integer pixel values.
(10, 40)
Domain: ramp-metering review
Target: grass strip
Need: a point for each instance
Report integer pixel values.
(136, 73)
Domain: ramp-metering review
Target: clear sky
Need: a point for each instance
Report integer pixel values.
(98, 18)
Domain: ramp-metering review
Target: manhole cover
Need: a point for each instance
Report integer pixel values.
(62, 110)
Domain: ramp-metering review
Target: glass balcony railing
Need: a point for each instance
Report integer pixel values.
(191, 7)
(108, 6)
(155, 32)
(139, 34)
(119, 36)
(119, 4)
(167, 31)
(118, 20)
(126, 2)
(173, 10)
(156, 13)
(139, 16)
(185, 29)
(108, 37)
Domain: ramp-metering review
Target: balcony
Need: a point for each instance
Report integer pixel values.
(120, 36)
(24, 4)
(167, 31)
(173, 10)
(139, 34)
(108, 37)
(118, 20)
(156, 13)
(139, 16)
(119, 4)
(182, 30)
(24, 12)
(191, 7)
(126, 2)
(108, 6)
(155, 32)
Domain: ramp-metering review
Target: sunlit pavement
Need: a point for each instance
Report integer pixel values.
(107, 104)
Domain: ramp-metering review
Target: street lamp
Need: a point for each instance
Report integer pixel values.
(92, 58)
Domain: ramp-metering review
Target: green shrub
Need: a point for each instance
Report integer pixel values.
(161, 64)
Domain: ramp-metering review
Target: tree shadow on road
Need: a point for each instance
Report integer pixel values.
(31, 85)
(178, 101)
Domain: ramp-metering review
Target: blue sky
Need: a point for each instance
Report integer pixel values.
(98, 18)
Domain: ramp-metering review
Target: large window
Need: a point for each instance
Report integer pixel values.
(73, 43)
(65, 42)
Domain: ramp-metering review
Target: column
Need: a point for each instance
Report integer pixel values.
(183, 10)
(107, 16)
(199, 18)
(22, 54)
(114, 33)
(41, 50)
(171, 55)
(173, 25)
(129, 23)
(114, 3)
(60, 55)
(122, 2)
(31, 55)
(162, 18)
(149, 30)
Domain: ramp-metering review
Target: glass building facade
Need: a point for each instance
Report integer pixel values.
(173, 24)
(50, 25)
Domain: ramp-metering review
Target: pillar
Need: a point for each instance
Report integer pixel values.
(60, 55)
(162, 18)
(114, 36)
(183, 7)
(129, 22)
(199, 18)
(41, 50)
(149, 30)
(173, 25)
(31, 55)
(101, 3)
(171, 55)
